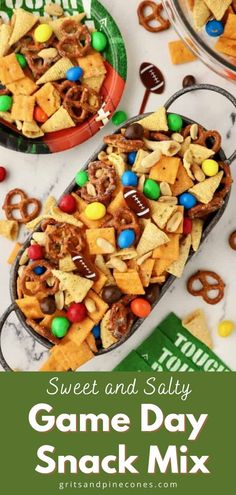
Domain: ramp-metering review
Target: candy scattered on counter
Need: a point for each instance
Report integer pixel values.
(225, 328)
(119, 117)
(3, 174)
(188, 80)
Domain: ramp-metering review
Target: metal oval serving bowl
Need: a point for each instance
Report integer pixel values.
(210, 223)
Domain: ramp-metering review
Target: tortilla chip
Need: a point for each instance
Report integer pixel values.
(177, 267)
(5, 33)
(230, 27)
(11, 258)
(56, 72)
(160, 267)
(167, 148)
(129, 282)
(24, 86)
(199, 153)
(92, 65)
(9, 229)
(23, 22)
(196, 324)
(204, 191)
(196, 234)
(30, 307)
(170, 250)
(7, 117)
(108, 234)
(165, 170)
(180, 53)
(117, 202)
(101, 307)
(151, 238)
(95, 82)
(56, 24)
(218, 7)
(161, 212)
(91, 341)
(58, 121)
(66, 264)
(157, 121)
(226, 46)
(182, 182)
(48, 98)
(201, 13)
(31, 130)
(76, 286)
(107, 338)
(23, 108)
(10, 69)
(145, 271)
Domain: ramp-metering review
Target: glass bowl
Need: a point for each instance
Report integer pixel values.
(199, 42)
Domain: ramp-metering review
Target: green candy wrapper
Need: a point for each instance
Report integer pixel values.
(192, 349)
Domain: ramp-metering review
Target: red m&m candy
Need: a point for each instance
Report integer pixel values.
(68, 204)
(187, 226)
(35, 252)
(40, 115)
(140, 307)
(3, 174)
(76, 312)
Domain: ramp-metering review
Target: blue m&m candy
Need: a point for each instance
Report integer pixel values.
(129, 178)
(39, 270)
(132, 157)
(74, 73)
(126, 238)
(214, 28)
(187, 200)
(96, 331)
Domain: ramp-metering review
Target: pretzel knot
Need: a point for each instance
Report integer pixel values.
(80, 101)
(206, 286)
(61, 240)
(102, 179)
(121, 318)
(232, 240)
(22, 205)
(75, 39)
(209, 139)
(124, 219)
(146, 20)
(123, 144)
(40, 281)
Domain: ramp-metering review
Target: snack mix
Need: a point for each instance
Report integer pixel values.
(218, 17)
(51, 72)
(98, 259)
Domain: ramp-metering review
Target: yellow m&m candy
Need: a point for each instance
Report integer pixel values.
(95, 211)
(42, 33)
(225, 328)
(210, 167)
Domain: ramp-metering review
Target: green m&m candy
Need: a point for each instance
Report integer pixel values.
(21, 60)
(151, 189)
(81, 178)
(175, 122)
(119, 117)
(60, 326)
(99, 41)
(5, 103)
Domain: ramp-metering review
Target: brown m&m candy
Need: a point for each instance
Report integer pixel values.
(137, 202)
(153, 293)
(134, 131)
(111, 294)
(48, 305)
(84, 266)
(188, 81)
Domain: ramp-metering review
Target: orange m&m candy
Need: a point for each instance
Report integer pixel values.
(140, 307)
(40, 115)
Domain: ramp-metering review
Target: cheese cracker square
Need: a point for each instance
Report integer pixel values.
(101, 307)
(166, 169)
(179, 53)
(92, 235)
(10, 69)
(48, 98)
(129, 282)
(24, 86)
(182, 182)
(230, 27)
(170, 250)
(23, 108)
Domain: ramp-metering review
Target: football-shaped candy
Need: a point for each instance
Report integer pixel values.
(137, 202)
(152, 78)
(84, 267)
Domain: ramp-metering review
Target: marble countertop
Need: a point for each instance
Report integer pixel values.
(42, 175)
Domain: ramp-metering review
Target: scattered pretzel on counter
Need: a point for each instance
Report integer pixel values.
(22, 206)
(202, 277)
(147, 20)
(232, 240)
